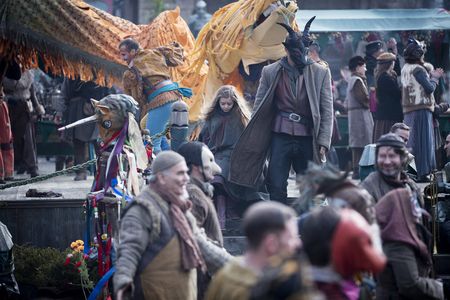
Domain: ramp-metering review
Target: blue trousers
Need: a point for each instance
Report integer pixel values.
(286, 151)
(156, 123)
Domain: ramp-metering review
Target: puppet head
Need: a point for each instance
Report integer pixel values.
(341, 239)
(112, 111)
(296, 44)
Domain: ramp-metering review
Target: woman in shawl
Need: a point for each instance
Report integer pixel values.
(389, 96)
(224, 120)
(406, 243)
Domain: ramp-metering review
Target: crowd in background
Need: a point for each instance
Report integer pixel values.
(368, 239)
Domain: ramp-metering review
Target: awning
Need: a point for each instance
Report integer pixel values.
(375, 19)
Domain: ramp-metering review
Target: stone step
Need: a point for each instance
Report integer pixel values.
(235, 245)
(442, 265)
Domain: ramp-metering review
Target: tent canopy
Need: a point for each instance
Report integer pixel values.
(375, 19)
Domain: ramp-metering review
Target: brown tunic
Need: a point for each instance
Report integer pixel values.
(291, 100)
(233, 282)
(204, 211)
(164, 279)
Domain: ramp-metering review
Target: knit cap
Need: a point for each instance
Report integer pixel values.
(391, 140)
(165, 160)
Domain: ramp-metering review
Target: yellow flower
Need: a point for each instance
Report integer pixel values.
(73, 245)
(80, 242)
(81, 248)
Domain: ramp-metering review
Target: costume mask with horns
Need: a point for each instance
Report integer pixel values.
(297, 45)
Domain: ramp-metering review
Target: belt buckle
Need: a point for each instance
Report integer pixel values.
(295, 117)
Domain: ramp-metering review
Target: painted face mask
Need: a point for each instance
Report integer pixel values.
(210, 167)
(352, 246)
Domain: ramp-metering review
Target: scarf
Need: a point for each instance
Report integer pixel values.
(191, 256)
(395, 216)
(394, 182)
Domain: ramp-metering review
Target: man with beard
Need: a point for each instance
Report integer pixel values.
(391, 158)
(292, 117)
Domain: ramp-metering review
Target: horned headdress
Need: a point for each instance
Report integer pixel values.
(297, 40)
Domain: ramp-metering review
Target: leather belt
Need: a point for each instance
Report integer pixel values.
(296, 118)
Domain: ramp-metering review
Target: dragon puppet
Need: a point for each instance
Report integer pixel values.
(120, 157)
(239, 40)
(84, 44)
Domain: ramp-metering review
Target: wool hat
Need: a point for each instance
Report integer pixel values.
(391, 140)
(386, 57)
(192, 153)
(165, 160)
(373, 47)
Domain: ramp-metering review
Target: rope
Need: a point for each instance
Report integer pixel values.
(47, 176)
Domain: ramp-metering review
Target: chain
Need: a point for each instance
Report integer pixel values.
(161, 134)
(68, 170)
(47, 176)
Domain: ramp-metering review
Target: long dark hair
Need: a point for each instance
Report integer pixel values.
(239, 103)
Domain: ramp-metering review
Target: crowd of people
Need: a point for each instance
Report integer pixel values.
(385, 88)
(20, 109)
(364, 241)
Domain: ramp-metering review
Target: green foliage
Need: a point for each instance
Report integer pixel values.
(43, 267)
